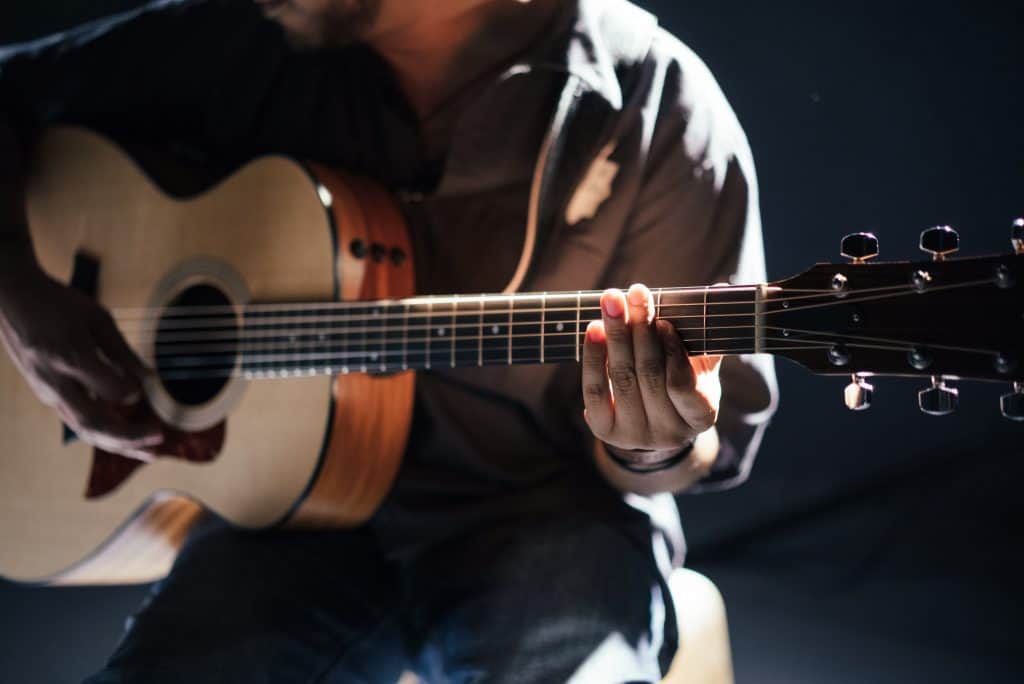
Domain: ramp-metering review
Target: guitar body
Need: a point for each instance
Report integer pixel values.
(303, 450)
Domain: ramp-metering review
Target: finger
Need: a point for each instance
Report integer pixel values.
(630, 420)
(649, 360)
(597, 399)
(115, 348)
(83, 362)
(681, 382)
(98, 423)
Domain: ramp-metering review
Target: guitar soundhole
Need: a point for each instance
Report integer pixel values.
(196, 347)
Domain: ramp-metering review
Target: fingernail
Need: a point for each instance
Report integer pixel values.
(595, 332)
(612, 306)
(637, 296)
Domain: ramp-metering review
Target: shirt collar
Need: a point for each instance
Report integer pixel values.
(582, 43)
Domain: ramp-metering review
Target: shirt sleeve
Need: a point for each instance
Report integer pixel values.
(697, 222)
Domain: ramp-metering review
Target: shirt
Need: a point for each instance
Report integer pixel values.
(604, 103)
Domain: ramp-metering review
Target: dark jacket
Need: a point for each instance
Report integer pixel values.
(605, 155)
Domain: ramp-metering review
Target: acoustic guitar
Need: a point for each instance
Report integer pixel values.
(285, 368)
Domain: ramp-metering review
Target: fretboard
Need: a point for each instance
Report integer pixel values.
(469, 330)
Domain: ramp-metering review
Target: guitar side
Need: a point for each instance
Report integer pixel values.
(296, 449)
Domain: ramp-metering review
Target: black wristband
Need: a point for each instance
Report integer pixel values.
(655, 467)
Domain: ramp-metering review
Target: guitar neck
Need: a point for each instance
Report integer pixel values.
(473, 330)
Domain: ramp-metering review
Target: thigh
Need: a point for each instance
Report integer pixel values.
(264, 607)
(568, 598)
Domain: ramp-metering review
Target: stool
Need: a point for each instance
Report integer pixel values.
(704, 655)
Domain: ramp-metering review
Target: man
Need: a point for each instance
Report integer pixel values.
(505, 551)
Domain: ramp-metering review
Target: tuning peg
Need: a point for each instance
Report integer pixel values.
(859, 246)
(940, 242)
(939, 399)
(1017, 236)
(857, 394)
(1012, 404)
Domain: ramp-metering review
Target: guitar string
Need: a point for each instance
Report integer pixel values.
(194, 320)
(145, 312)
(257, 355)
(301, 332)
(852, 297)
(370, 358)
(299, 347)
(227, 371)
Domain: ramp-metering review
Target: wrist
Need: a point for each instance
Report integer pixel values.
(643, 461)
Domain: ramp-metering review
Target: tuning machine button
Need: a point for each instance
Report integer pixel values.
(940, 242)
(1017, 236)
(939, 399)
(857, 394)
(859, 247)
(1012, 405)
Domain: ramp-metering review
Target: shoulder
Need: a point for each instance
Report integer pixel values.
(692, 115)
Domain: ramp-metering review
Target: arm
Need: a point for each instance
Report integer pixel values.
(67, 348)
(696, 222)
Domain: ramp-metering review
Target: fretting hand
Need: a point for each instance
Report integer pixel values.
(645, 397)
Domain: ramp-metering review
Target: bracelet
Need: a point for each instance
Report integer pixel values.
(656, 466)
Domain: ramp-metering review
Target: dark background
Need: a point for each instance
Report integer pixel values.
(879, 546)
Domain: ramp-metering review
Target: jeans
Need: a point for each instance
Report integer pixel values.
(544, 599)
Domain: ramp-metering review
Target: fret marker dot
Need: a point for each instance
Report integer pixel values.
(559, 327)
(376, 312)
(373, 356)
(440, 332)
(495, 329)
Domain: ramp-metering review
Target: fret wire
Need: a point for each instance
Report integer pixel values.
(480, 337)
(706, 319)
(430, 325)
(579, 342)
(543, 297)
(455, 308)
(511, 307)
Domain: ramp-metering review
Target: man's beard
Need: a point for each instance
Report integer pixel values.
(343, 24)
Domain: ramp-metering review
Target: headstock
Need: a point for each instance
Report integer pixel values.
(943, 319)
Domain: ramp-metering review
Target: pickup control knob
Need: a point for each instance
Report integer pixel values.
(1012, 404)
(940, 242)
(857, 394)
(859, 247)
(939, 399)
